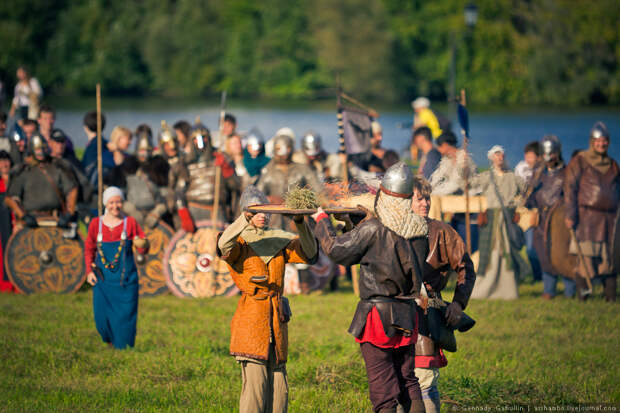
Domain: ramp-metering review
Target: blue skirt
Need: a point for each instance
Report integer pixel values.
(115, 298)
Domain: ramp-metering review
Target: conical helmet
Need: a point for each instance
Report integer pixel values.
(599, 130)
(551, 144)
(398, 181)
(254, 139)
(167, 135)
(200, 134)
(311, 143)
(37, 141)
(252, 196)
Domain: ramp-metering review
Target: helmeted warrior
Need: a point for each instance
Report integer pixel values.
(41, 188)
(325, 166)
(145, 174)
(86, 191)
(592, 195)
(202, 167)
(546, 190)
(282, 174)
(390, 247)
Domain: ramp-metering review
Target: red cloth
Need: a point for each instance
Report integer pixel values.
(437, 361)
(109, 235)
(227, 169)
(187, 223)
(321, 216)
(5, 285)
(375, 335)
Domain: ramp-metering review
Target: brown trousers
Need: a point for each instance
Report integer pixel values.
(391, 376)
(265, 385)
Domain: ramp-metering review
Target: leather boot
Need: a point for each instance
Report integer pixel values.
(387, 410)
(581, 287)
(417, 406)
(610, 288)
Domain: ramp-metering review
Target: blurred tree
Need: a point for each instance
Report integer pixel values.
(548, 51)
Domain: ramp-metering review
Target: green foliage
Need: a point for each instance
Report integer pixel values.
(548, 51)
(523, 351)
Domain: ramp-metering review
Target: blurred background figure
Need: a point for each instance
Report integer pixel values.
(500, 263)
(592, 196)
(546, 190)
(422, 142)
(28, 93)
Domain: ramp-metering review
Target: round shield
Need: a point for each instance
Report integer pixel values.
(150, 265)
(42, 260)
(558, 242)
(191, 266)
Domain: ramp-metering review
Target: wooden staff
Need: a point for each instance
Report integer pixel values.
(467, 217)
(218, 169)
(355, 277)
(99, 156)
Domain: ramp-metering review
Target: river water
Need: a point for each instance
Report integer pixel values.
(511, 128)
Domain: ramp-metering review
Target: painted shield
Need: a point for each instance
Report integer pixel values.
(151, 265)
(41, 260)
(558, 242)
(191, 266)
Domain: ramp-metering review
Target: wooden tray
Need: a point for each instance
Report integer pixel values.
(283, 210)
(278, 209)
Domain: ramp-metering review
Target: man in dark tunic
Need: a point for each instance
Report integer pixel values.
(41, 188)
(390, 247)
(546, 191)
(592, 195)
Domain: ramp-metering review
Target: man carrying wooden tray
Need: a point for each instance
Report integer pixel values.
(256, 256)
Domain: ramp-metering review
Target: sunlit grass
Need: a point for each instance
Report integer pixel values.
(525, 351)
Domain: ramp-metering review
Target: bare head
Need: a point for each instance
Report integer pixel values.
(421, 199)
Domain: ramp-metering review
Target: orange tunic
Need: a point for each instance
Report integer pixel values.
(257, 315)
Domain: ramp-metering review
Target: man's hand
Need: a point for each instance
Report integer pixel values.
(30, 221)
(570, 224)
(248, 216)
(454, 312)
(318, 212)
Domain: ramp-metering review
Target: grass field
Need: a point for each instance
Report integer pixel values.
(527, 351)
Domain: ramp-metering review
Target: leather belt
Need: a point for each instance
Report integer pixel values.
(260, 294)
(390, 300)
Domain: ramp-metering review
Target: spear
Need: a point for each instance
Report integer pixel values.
(99, 156)
(218, 170)
(464, 122)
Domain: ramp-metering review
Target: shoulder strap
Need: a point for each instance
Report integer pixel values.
(55, 187)
(499, 197)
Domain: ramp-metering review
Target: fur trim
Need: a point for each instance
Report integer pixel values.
(396, 214)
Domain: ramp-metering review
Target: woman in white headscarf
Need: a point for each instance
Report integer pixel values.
(112, 270)
(500, 263)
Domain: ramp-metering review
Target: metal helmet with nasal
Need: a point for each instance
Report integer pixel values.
(311, 143)
(551, 145)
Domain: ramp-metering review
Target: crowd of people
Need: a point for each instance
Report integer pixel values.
(184, 174)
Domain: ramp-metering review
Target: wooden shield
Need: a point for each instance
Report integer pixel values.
(191, 267)
(558, 241)
(41, 260)
(151, 265)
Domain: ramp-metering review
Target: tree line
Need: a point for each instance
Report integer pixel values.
(520, 51)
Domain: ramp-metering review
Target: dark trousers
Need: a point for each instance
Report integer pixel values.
(391, 377)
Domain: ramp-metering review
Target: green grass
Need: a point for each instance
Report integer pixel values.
(525, 351)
